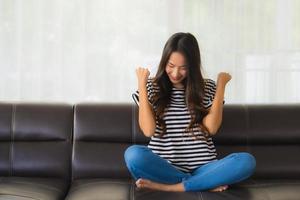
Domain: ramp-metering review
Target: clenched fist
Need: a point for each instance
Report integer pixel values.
(142, 75)
(224, 78)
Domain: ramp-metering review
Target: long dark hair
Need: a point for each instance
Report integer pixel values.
(187, 45)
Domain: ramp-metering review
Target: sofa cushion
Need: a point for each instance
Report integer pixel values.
(106, 189)
(36, 140)
(276, 161)
(112, 189)
(278, 189)
(25, 188)
(101, 135)
(5, 137)
(273, 124)
(103, 123)
(99, 160)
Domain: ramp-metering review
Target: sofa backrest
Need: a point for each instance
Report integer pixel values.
(270, 132)
(36, 140)
(101, 135)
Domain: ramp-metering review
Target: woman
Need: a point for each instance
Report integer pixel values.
(181, 111)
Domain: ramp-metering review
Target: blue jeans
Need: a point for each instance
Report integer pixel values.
(143, 163)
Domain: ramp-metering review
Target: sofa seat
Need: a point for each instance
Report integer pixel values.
(25, 188)
(243, 191)
(275, 189)
(108, 189)
(111, 189)
(118, 189)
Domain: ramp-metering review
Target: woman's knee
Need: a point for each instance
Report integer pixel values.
(247, 160)
(134, 154)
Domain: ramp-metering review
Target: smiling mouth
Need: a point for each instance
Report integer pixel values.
(175, 79)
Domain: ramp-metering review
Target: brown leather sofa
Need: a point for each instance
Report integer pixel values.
(60, 151)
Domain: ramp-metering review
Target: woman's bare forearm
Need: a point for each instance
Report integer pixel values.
(146, 114)
(213, 119)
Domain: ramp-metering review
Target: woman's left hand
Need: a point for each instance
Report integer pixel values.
(224, 78)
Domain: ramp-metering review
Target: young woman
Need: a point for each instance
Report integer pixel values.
(181, 111)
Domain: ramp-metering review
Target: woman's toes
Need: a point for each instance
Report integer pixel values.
(139, 183)
(220, 188)
(223, 188)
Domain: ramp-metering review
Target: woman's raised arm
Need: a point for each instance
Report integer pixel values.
(146, 113)
(212, 121)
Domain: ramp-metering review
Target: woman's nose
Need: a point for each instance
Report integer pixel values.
(175, 73)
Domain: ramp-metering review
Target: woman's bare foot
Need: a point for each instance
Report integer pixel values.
(219, 189)
(144, 183)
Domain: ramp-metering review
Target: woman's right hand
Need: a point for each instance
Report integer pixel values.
(142, 75)
(146, 115)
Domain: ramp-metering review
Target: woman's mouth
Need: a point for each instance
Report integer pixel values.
(175, 79)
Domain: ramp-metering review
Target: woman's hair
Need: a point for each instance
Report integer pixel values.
(187, 45)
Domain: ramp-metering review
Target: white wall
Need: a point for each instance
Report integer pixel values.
(87, 50)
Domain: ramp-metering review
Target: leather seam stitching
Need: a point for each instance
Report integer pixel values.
(247, 128)
(13, 116)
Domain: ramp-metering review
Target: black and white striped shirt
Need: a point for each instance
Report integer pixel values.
(177, 146)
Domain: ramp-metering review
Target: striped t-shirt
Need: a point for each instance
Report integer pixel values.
(177, 146)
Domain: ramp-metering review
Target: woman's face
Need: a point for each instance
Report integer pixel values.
(176, 69)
